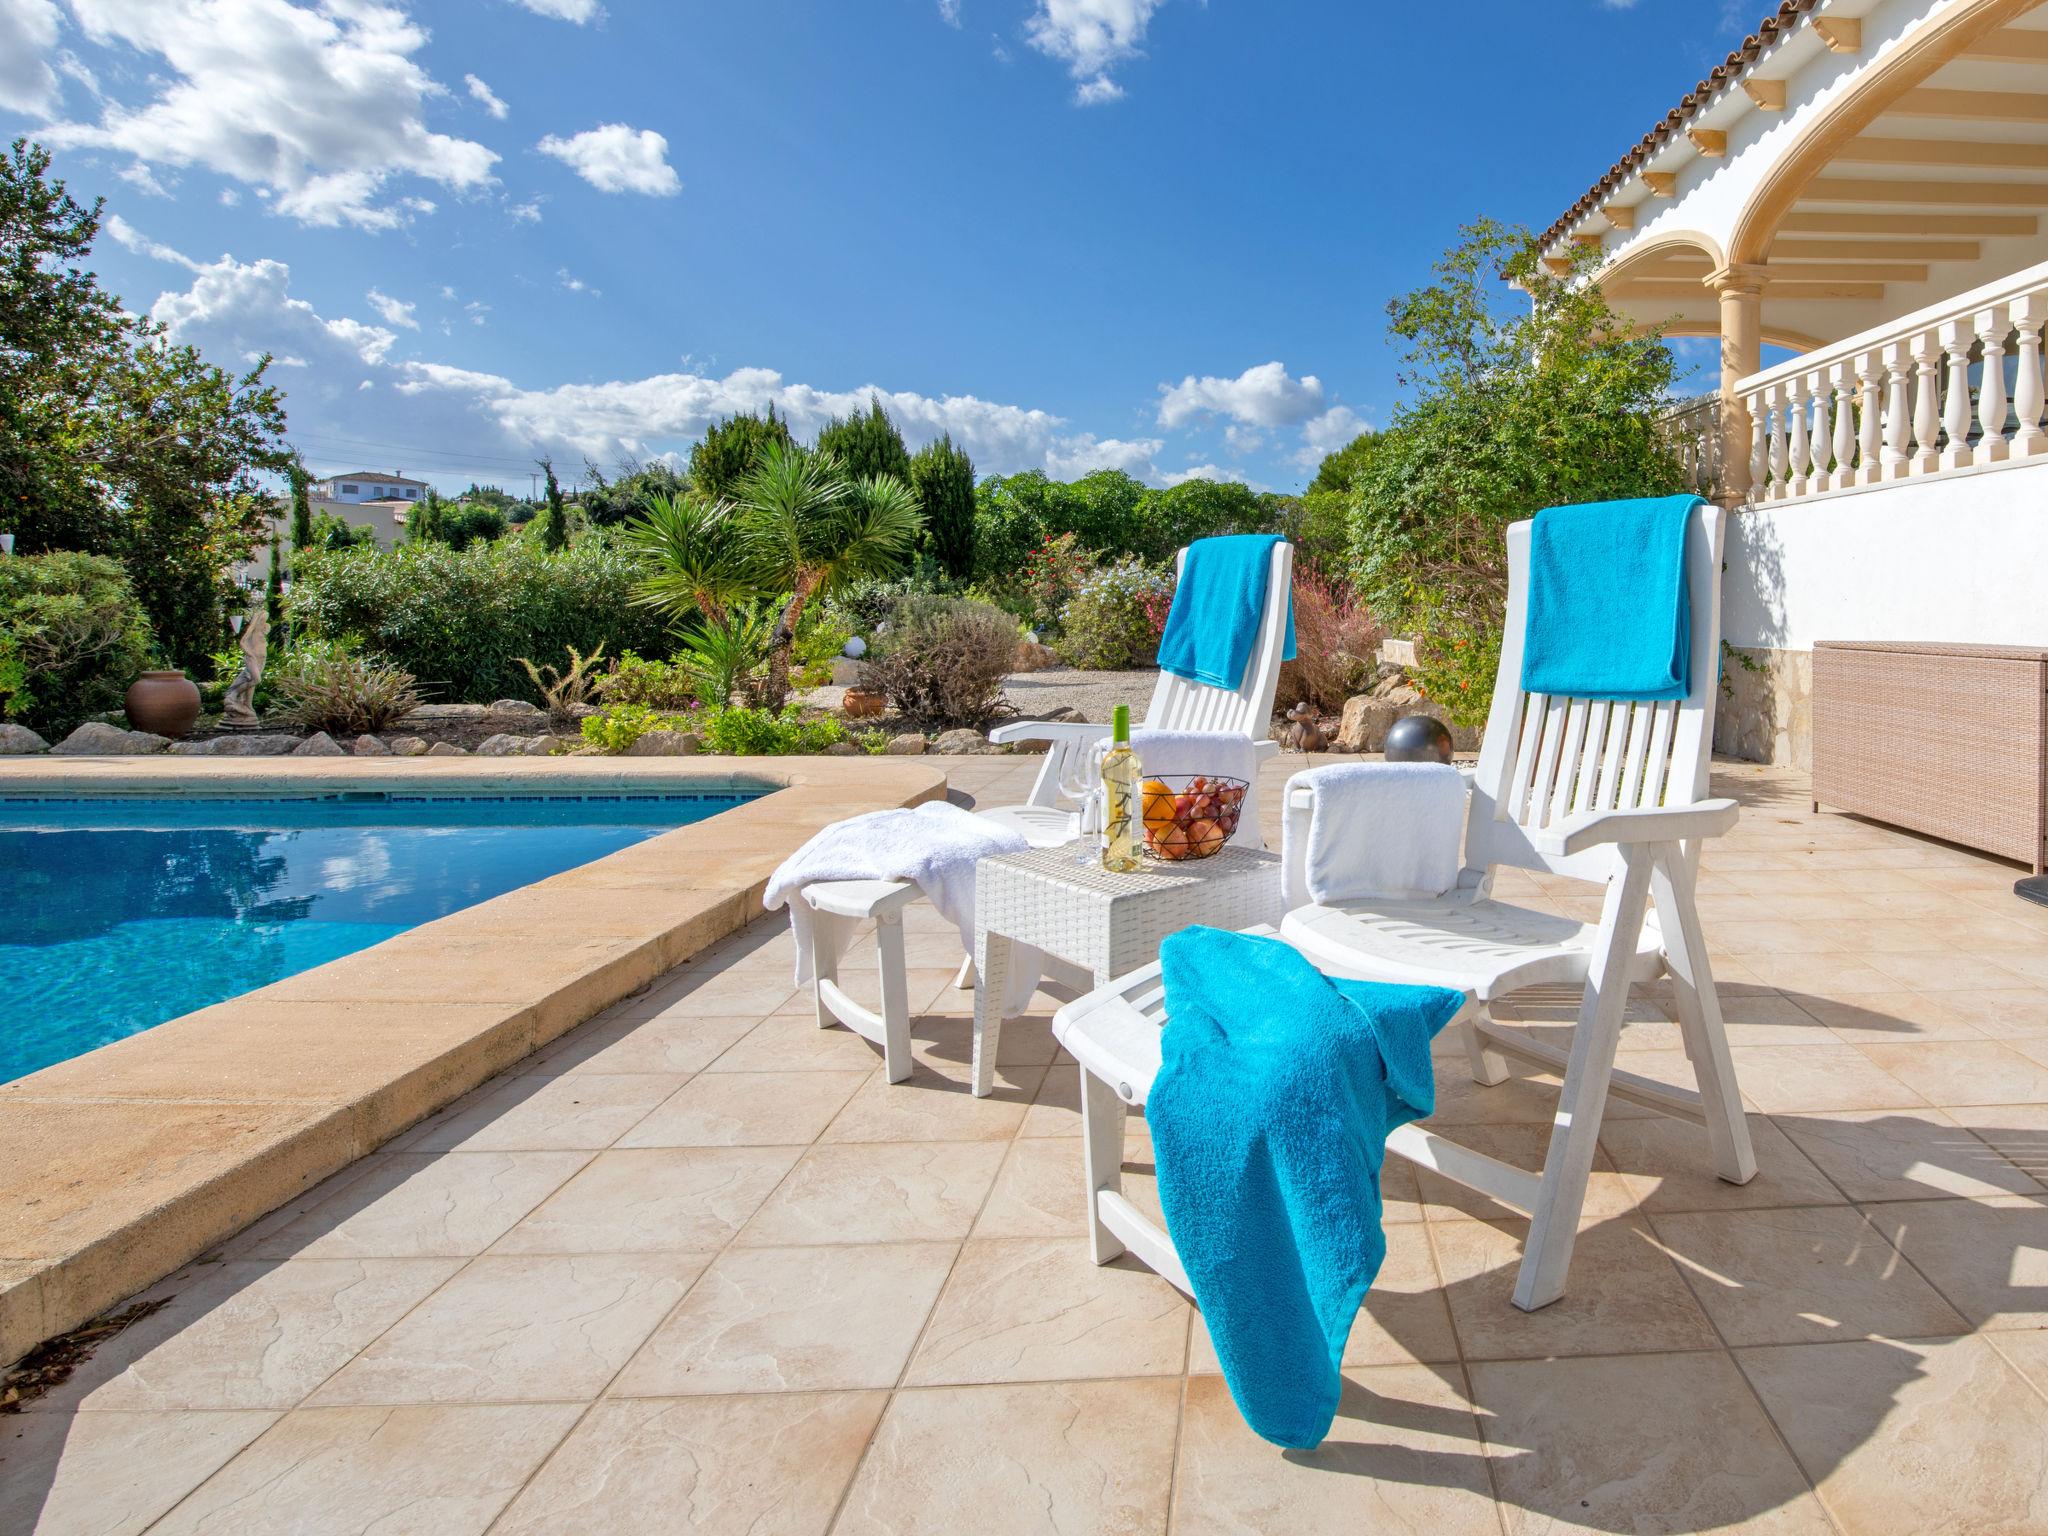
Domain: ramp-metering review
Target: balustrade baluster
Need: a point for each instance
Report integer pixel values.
(1926, 404)
(1870, 425)
(1780, 459)
(2027, 316)
(1759, 443)
(1992, 325)
(1798, 445)
(1898, 409)
(1842, 374)
(1956, 336)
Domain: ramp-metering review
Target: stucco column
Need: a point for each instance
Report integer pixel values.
(1740, 288)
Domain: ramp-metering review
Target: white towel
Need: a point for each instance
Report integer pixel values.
(1379, 829)
(936, 845)
(1219, 754)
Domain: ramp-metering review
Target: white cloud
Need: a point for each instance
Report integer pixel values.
(616, 158)
(1072, 457)
(949, 12)
(28, 30)
(527, 212)
(485, 97)
(317, 109)
(1265, 396)
(237, 308)
(576, 284)
(142, 179)
(1333, 429)
(476, 309)
(1197, 472)
(129, 237)
(394, 311)
(578, 11)
(229, 197)
(1091, 37)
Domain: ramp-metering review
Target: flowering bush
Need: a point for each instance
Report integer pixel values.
(1053, 573)
(1455, 668)
(1336, 645)
(1110, 621)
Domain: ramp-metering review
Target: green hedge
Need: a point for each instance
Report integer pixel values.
(72, 638)
(459, 620)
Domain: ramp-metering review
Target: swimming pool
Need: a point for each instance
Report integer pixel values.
(120, 912)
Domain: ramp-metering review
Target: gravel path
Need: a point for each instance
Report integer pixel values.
(1094, 694)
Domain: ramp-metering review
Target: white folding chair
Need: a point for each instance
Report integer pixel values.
(1604, 791)
(1177, 705)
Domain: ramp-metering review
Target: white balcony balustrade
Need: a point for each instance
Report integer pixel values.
(1956, 386)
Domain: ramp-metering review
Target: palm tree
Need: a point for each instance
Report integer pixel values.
(809, 531)
(694, 552)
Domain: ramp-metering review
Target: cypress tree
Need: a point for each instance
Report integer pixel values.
(943, 477)
(730, 449)
(302, 505)
(554, 522)
(273, 592)
(866, 443)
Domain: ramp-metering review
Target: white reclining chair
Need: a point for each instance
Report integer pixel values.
(1604, 791)
(1177, 705)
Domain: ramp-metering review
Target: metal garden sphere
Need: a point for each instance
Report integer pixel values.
(1418, 739)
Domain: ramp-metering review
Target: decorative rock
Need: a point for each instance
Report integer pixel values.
(862, 704)
(842, 749)
(255, 744)
(408, 746)
(499, 745)
(512, 707)
(537, 746)
(367, 745)
(581, 711)
(846, 672)
(1368, 719)
(959, 743)
(909, 744)
(455, 712)
(20, 741)
(445, 749)
(97, 739)
(1399, 653)
(1066, 714)
(1033, 657)
(319, 744)
(665, 744)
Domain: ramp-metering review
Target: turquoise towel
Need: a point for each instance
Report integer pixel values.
(1214, 621)
(1269, 1122)
(1609, 611)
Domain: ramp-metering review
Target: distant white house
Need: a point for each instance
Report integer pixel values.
(375, 499)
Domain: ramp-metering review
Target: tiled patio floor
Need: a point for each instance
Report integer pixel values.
(698, 1268)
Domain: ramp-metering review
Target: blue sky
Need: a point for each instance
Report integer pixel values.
(1157, 235)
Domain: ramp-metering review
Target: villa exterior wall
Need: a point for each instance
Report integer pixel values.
(1957, 557)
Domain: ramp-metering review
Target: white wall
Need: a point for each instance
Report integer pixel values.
(1960, 557)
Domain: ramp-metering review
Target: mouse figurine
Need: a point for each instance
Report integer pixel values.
(1305, 733)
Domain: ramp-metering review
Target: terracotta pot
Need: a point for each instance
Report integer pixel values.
(165, 703)
(860, 704)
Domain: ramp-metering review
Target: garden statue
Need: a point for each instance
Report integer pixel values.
(1305, 733)
(238, 704)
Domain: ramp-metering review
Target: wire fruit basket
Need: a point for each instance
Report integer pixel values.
(1190, 817)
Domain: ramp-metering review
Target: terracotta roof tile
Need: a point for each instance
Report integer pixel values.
(1770, 30)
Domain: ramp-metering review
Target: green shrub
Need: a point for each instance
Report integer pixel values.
(764, 733)
(1336, 645)
(663, 685)
(942, 661)
(325, 687)
(863, 607)
(72, 638)
(459, 620)
(1115, 618)
(616, 728)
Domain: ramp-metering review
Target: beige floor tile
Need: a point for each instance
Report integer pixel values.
(1523, 1146)
(1040, 1309)
(110, 1474)
(711, 1466)
(1796, 1276)
(1041, 1192)
(2026, 1351)
(1670, 1167)
(1940, 970)
(425, 1204)
(249, 1334)
(653, 1199)
(879, 1193)
(706, 989)
(1966, 1072)
(2012, 1015)
(1404, 1454)
(1781, 1079)
(793, 1320)
(1988, 1257)
(1047, 1459)
(929, 1107)
(519, 1329)
(2019, 1132)
(1817, 975)
(1637, 1443)
(1405, 1319)
(1894, 1018)
(424, 1471)
(1903, 1155)
(587, 1110)
(789, 1043)
(1056, 1107)
(1518, 1101)
(1906, 1439)
(747, 1109)
(1623, 1296)
(947, 1044)
(664, 1043)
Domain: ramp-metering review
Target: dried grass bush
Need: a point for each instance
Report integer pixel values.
(942, 661)
(1336, 645)
(324, 688)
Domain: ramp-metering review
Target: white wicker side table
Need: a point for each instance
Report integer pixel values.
(1106, 924)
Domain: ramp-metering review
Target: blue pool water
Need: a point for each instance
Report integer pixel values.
(121, 912)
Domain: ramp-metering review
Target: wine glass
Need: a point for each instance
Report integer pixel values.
(1080, 780)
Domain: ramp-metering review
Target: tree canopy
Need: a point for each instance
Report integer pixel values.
(731, 450)
(866, 444)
